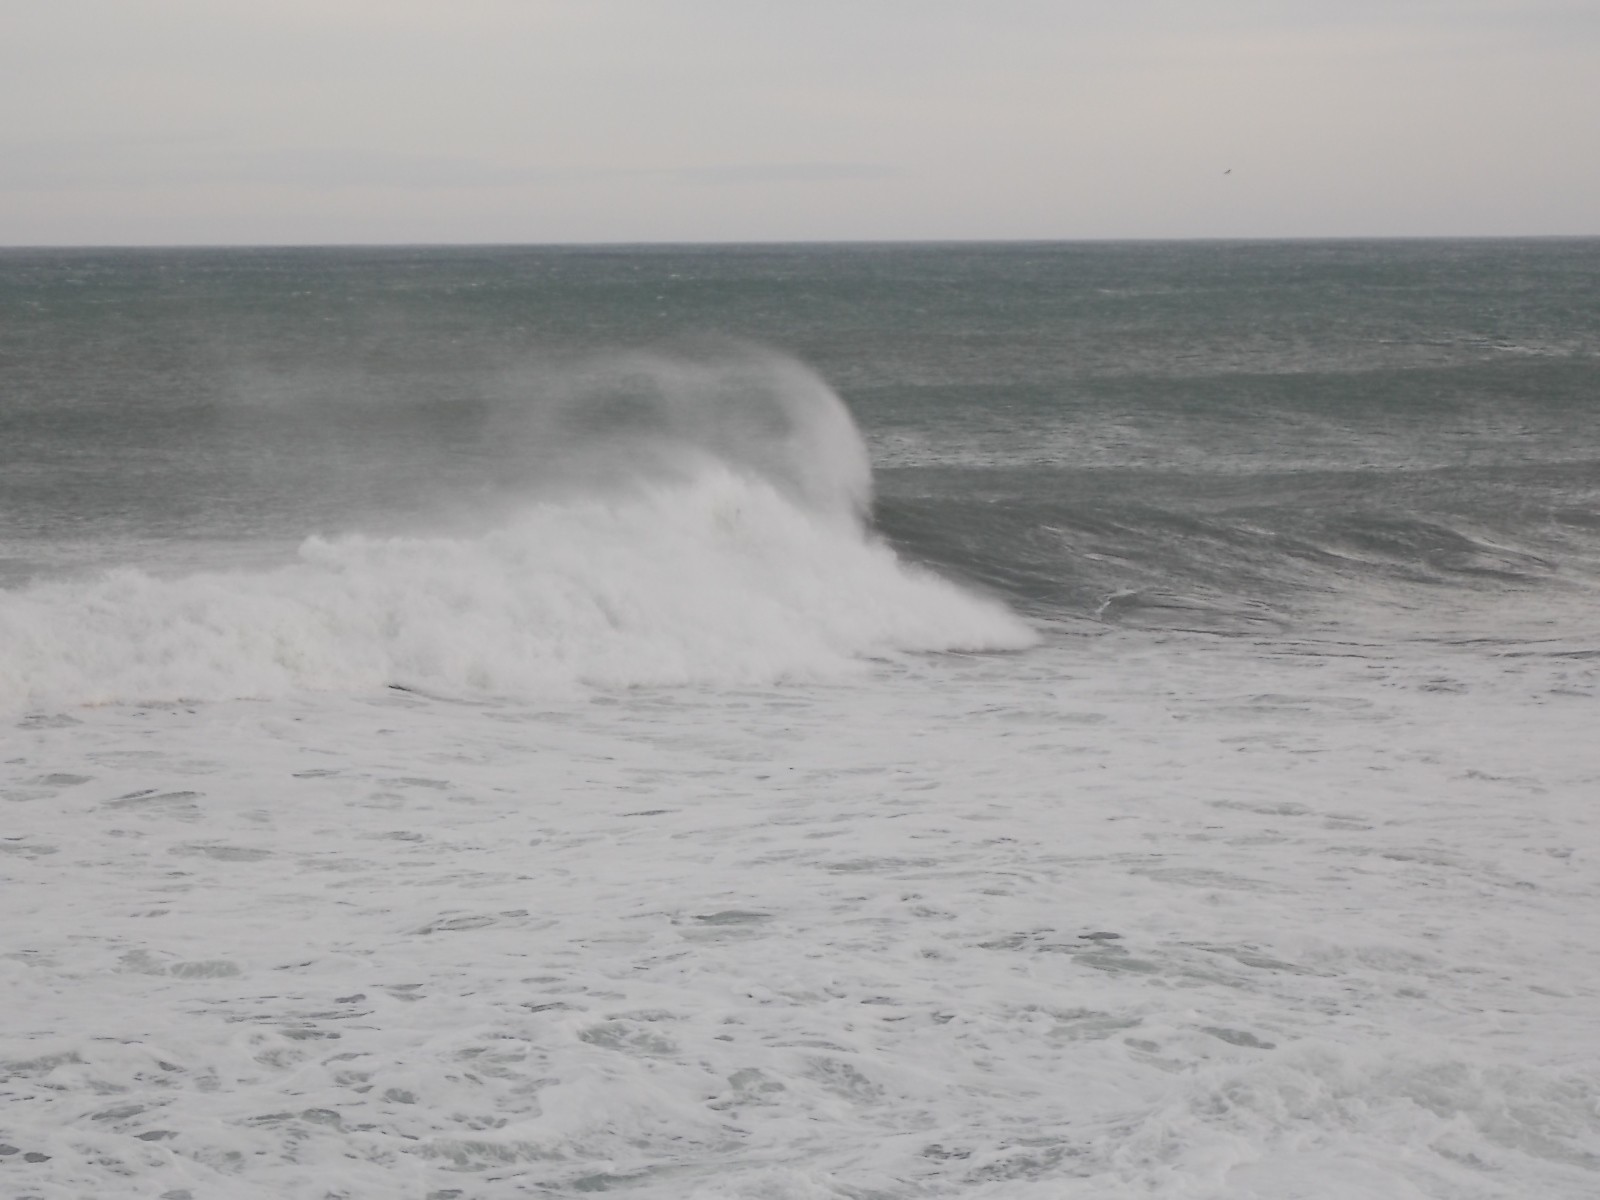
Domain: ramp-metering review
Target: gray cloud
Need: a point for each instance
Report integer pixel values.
(112, 164)
(756, 173)
(630, 120)
(109, 163)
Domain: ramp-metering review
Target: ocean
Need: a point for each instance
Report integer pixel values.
(858, 722)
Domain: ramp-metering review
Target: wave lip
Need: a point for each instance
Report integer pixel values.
(631, 417)
(716, 579)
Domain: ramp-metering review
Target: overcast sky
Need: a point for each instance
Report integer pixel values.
(316, 121)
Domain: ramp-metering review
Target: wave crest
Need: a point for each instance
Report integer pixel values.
(612, 422)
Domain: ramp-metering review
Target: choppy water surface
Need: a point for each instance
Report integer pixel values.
(801, 722)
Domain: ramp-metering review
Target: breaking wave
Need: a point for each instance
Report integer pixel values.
(707, 527)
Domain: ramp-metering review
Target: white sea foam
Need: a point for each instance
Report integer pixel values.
(719, 578)
(1145, 917)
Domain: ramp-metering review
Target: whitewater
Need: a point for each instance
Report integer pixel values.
(607, 783)
(720, 580)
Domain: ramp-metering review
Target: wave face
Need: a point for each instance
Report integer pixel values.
(659, 520)
(1121, 548)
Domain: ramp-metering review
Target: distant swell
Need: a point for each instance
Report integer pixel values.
(715, 579)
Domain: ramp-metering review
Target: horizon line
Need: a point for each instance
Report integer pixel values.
(689, 243)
